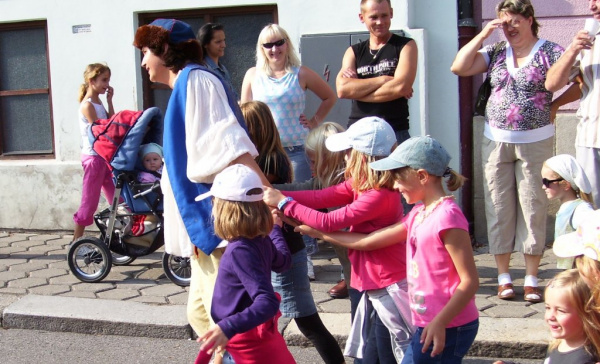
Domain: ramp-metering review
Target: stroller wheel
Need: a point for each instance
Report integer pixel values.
(118, 259)
(89, 259)
(177, 269)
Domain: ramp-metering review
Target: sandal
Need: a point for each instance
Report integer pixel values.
(506, 291)
(533, 294)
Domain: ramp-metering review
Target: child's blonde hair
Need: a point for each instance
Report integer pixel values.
(363, 177)
(579, 295)
(454, 182)
(91, 72)
(265, 136)
(590, 269)
(233, 219)
(329, 166)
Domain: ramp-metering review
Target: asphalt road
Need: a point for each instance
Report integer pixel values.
(34, 346)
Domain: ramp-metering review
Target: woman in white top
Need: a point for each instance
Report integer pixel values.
(518, 137)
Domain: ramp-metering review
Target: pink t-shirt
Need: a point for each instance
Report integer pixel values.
(364, 213)
(432, 276)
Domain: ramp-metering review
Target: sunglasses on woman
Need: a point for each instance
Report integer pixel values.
(277, 44)
(547, 182)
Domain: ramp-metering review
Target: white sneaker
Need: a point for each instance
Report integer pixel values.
(311, 269)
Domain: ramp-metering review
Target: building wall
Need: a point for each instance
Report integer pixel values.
(560, 20)
(44, 194)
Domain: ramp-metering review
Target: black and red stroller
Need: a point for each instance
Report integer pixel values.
(133, 224)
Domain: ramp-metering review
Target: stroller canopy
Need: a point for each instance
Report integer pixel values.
(118, 139)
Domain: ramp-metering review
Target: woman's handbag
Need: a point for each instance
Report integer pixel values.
(485, 90)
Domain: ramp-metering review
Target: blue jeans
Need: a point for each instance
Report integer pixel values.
(294, 288)
(300, 165)
(458, 341)
(379, 345)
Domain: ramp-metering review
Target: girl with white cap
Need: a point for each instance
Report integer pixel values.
(245, 308)
(564, 179)
(368, 202)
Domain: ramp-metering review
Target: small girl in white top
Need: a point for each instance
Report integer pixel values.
(96, 175)
(564, 179)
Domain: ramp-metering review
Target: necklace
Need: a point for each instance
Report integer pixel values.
(380, 48)
(526, 48)
(428, 210)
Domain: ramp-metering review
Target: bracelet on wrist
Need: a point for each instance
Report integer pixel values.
(284, 202)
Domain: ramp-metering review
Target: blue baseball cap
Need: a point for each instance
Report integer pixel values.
(422, 152)
(371, 135)
(178, 30)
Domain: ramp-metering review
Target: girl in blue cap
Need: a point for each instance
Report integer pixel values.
(442, 277)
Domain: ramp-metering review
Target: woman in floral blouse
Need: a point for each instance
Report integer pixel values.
(518, 137)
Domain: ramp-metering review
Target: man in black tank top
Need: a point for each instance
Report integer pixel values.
(378, 74)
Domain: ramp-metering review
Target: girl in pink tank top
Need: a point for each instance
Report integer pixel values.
(441, 272)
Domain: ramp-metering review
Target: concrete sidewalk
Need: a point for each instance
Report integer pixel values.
(37, 291)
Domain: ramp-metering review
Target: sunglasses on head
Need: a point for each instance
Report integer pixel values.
(269, 45)
(547, 182)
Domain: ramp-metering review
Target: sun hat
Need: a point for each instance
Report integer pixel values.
(150, 148)
(570, 170)
(235, 183)
(584, 241)
(422, 152)
(371, 135)
(178, 30)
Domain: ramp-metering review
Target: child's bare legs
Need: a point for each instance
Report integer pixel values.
(78, 233)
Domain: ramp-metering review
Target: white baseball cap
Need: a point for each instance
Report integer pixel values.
(585, 241)
(236, 183)
(371, 135)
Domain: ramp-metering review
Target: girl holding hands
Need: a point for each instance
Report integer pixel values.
(441, 272)
(368, 203)
(245, 308)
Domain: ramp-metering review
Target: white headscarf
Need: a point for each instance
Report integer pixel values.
(567, 167)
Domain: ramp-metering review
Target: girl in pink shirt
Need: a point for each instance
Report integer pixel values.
(369, 203)
(442, 277)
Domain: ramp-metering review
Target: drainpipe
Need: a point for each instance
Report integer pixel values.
(466, 31)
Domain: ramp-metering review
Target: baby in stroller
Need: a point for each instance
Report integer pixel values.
(151, 156)
(133, 225)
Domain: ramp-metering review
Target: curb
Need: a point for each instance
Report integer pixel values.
(82, 315)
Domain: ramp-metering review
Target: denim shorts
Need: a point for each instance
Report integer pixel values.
(294, 288)
(458, 341)
(300, 163)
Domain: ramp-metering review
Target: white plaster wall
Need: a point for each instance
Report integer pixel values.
(44, 194)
